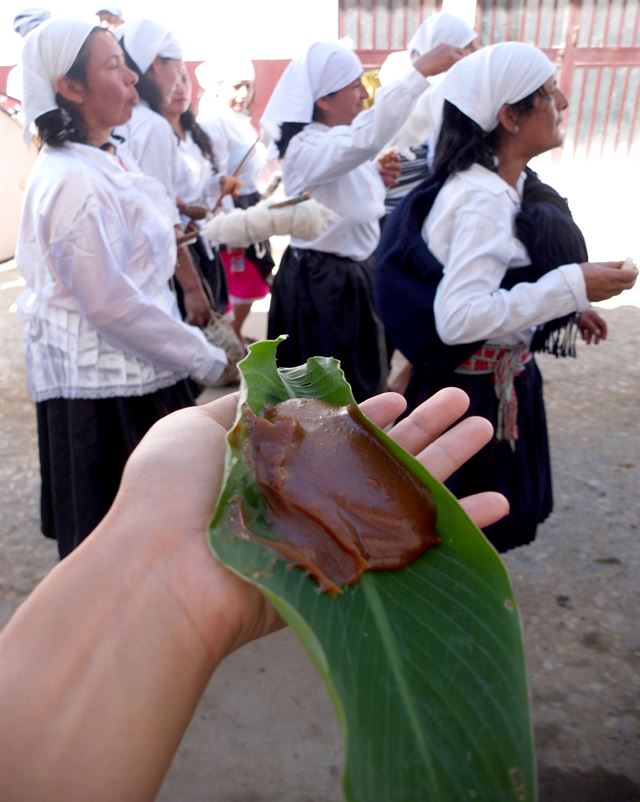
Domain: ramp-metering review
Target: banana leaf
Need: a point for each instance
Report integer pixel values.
(424, 665)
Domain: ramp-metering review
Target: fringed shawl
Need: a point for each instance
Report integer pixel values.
(407, 273)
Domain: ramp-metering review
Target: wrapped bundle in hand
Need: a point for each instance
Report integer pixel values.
(302, 218)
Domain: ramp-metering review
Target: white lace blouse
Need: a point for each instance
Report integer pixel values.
(97, 248)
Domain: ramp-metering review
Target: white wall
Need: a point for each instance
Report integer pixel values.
(266, 29)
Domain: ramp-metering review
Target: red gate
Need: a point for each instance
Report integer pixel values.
(595, 43)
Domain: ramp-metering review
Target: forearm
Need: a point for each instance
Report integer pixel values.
(186, 273)
(102, 669)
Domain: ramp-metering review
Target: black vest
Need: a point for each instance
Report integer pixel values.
(407, 273)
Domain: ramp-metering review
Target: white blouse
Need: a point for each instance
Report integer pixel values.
(334, 164)
(149, 140)
(233, 134)
(198, 182)
(96, 251)
(471, 231)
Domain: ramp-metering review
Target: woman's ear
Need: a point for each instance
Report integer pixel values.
(320, 108)
(71, 90)
(508, 119)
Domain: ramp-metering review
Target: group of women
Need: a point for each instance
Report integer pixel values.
(123, 157)
(108, 352)
(479, 265)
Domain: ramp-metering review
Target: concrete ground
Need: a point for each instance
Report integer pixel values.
(265, 731)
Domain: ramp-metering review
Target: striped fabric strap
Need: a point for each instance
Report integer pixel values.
(505, 363)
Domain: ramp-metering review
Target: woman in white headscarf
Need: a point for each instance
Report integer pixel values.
(416, 137)
(24, 22)
(199, 187)
(107, 354)
(155, 55)
(464, 298)
(321, 295)
(224, 114)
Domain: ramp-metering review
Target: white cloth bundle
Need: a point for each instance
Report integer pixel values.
(145, 39)
(242, 227)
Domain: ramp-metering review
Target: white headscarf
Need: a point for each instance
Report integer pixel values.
(233, 70)
(28, 19)
(482, 83)
(144, 40)
(324, 68)
(48, 53)
(441, 28)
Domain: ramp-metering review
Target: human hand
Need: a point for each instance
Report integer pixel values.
(605, 279)
(438, 59)
(592, 326)
(389, 168)
(230, 185)
(196, 305)
(172, 480)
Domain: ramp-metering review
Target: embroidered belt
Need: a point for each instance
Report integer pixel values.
(505, 363)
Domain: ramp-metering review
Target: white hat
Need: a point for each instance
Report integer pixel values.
(482, 83)
(323, 69)
(441, 28)
(29, 19)
(49, 53)
(144, 40)
(232, 69)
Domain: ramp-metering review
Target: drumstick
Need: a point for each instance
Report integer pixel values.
(236, 171)
(291, 201)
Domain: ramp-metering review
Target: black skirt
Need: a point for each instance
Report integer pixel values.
(523, 475)
(84, 444)
(324, 303)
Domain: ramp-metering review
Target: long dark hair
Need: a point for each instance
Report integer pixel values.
(148, 89)
(289, 130)
(462, 142)
(200, 136)
(66, 123)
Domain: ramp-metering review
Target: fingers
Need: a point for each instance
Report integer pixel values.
(485, 509)
(452, 449)
(430, 419)
(222, 410)
(383, 409)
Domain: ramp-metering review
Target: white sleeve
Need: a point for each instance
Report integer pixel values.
(89, 265)
(469, 304)
(321, 159)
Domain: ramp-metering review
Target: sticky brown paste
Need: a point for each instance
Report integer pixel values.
(338, 502)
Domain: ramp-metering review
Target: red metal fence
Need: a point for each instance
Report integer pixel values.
(595, 43)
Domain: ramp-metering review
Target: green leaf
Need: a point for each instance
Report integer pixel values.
(425, 665)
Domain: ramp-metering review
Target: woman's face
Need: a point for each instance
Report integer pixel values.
(109, 95)
(341, 107)
(240, 95)
(165, 72)
(181, 97)
(541, 129)
(473, 45)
